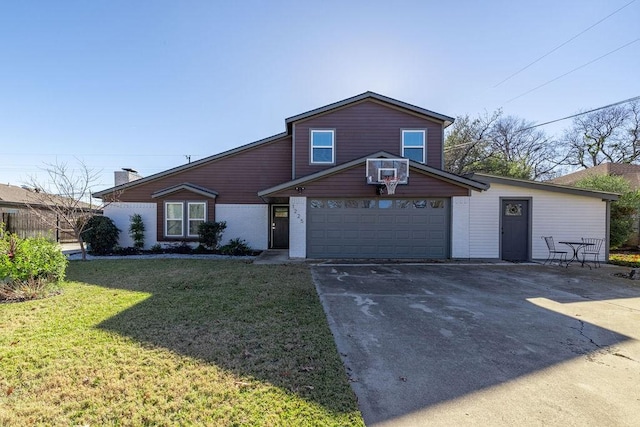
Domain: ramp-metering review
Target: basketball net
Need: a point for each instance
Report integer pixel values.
(391, 183)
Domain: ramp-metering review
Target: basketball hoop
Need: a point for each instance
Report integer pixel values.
(391, 183)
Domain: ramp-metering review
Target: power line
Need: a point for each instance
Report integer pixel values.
(575, 69)
(581, 114)
(101, 155)
(635, 98)
(559, 46)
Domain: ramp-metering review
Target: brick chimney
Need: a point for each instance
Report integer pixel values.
(125, 175)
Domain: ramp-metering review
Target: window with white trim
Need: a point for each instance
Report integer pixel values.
(175, 214)
(323, 146)
(414, 145)
(197, 215)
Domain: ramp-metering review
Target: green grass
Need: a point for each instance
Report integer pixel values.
(173, 342)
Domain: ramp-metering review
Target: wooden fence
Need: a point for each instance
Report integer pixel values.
(25, 224)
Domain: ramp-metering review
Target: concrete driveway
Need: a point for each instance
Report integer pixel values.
(454, 344)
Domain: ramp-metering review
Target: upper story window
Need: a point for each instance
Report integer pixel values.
(323, 147)
(414, 145)
(175, 214)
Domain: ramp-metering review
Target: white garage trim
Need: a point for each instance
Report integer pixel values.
(298, 227)
(460, 226)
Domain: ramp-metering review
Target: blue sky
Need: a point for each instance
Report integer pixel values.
(141, 84)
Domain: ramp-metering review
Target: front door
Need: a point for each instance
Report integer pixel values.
(280, 227)
(515, 230)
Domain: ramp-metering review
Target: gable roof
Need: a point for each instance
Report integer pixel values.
(371, 95)
(428, 170)
(177, 169)
(188, 187)
(288, 122)
(544, 186)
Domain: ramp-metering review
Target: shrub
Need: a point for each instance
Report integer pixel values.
(236, 247)
(210, 233)
(101, 234)
(129, 250)
(622, 210)
(29, 268)
(179, 248)
(156, 249)
(136, 231)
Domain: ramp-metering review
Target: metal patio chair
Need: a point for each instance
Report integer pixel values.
(592, 250)
(554, 254)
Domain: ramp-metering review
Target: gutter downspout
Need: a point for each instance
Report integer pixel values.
(607, 230)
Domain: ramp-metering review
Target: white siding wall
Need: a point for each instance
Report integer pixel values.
(563, 216)
(297, 227)
(248, 222)
(460, 226)
(120, 214)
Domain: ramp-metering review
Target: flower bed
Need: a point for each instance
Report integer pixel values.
(625, 259)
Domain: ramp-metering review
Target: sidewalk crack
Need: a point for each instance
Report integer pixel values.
(581, 331)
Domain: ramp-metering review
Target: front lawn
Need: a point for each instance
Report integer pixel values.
(173, 342)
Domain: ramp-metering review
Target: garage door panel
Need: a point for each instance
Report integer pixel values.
(403, 219)
(403, 234)
(385, 229)
(368, 219)
(333, 234)
(419, 234)
(315, 235)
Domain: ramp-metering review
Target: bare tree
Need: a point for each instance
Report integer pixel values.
(500, 145)
(525, 150)
(608, 135)
(64, 202)
(466, 145)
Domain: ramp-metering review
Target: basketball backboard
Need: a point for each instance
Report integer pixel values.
(379, 169)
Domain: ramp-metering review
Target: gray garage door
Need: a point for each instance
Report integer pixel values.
(392, 228)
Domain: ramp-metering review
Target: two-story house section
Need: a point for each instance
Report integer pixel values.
(319, 189)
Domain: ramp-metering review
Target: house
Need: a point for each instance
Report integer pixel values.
(319, 189)
(628, 171)
(23, 213)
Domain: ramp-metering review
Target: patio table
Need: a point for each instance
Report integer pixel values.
(576, 246)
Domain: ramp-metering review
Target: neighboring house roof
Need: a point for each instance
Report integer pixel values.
(627, 170)
(437, 173)
(16, 195)
(318, 111)
(12, 195)
(544, 186)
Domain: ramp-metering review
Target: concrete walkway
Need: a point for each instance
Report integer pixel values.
(276, 256)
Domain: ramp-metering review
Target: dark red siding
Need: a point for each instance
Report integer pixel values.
(236, 178)
(182, 196)
(364, 128)
(352, 183)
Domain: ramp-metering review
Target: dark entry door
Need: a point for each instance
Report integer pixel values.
(280, 227)
(515, 230)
